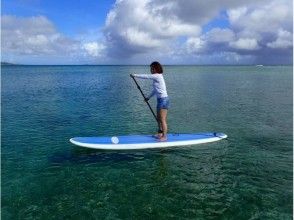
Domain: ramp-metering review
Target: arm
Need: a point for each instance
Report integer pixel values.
(152, 94)
(144, 76)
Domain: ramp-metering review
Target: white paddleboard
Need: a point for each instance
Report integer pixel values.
(133, 142)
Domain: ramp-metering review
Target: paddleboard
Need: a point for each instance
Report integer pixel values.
(133, 142)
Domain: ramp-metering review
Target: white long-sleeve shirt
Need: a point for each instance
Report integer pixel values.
(159, 87)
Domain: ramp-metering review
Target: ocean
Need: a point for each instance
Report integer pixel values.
(247, 176)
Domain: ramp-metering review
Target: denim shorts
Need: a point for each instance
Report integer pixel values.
(162, 103)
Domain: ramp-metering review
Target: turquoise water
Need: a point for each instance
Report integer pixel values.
(247, 176)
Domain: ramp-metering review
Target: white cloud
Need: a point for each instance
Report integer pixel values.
(140, 31)
(218, 35)
(245, 44)
(37, 37)
(195, 44)
(260, 20)
(94, 49)
(149, 26)
(33, 36)
(236, 13)
(138, 27)
(284, 40)
(140, 38)
(197, 12)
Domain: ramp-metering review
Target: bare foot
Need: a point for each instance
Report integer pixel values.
(162, 138)
(158, 136)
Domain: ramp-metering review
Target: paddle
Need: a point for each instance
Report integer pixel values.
(159, 130)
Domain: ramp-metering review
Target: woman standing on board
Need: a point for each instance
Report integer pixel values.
(159, 89)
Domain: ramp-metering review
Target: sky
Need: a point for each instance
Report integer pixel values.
(193, 32)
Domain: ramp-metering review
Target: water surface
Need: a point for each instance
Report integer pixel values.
(247, 176)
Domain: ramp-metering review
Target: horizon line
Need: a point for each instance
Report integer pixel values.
(256, 64)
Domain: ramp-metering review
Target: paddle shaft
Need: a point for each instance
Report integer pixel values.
(158, 123)
(145, 98)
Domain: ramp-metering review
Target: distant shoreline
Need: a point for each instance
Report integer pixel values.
(208, 65)
(8, 64)
(257, 65)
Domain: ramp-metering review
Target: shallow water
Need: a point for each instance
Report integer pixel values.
(247, 176)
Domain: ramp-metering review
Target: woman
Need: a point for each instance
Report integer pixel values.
(159, 89)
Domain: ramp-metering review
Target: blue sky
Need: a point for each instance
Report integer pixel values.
(69, 18)
(138, 32)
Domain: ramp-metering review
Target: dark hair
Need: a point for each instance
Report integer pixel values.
(157, 66)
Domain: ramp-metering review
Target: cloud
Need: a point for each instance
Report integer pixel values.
(169, 30)
(149, 26)
(283, 40)
(33, 36)
(37, 38)
(264, 31)
(264, 23)
(196, 12)
(134, 27)
(195, 44)
(261, 19)
(94, 49)
(245, 44)
(218, 35)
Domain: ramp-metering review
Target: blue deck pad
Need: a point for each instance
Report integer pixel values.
(140, 139)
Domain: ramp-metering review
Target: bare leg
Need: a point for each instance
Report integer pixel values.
(158, 135)
(162, 117)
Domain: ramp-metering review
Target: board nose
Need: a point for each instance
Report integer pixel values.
(221, 135)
